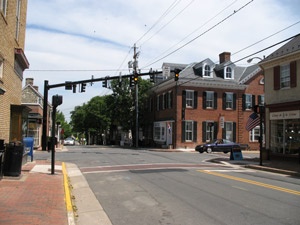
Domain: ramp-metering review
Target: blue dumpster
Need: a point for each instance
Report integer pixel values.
(28, 146)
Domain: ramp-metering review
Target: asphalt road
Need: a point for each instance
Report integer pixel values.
(140, 187)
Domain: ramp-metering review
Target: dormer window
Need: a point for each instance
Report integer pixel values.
(207, 71)
(228, 73)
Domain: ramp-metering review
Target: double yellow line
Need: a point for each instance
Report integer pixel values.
(251, 182)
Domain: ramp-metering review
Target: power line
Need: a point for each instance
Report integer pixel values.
(171, 7)
(196, 29)
(235, 11)
(169, 22)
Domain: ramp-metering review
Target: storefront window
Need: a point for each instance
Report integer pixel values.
(285, 136)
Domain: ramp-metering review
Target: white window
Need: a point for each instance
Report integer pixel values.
(159, 131)
(229, 131)
(229, 101)
(1, 68)
(206, 71)
(18, 13)
(209, 99)
(228, 73)
(254, 134)
(248, 102)
(285, 76)
(189, 130)
(3, 7)
(189, 99)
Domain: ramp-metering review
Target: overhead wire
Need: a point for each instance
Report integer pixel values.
(195, 38)
(173, 18)
(196, 29)
(169, 9)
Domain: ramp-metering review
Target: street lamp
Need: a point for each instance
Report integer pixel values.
(250, 60)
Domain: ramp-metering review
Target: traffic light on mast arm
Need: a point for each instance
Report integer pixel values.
(135, 78)
(83, 85)
(176, 71)
(104, 84)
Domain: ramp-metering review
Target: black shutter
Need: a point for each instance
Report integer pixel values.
(195, 99)
(204, 100)
(224, 101)
(276, 77)
(183, 99)
(215, 100)
(293, 71)
(244, 102)
(183, 131)
(234, 132)
(195, 131)
(234, 101)
(216, 128)
(203, 131)
(253, 101)
(171, 99)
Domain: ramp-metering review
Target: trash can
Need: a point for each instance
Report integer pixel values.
(28, 146)
(2, 150)
(13, 159)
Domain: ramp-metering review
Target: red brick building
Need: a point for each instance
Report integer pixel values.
(208, 101)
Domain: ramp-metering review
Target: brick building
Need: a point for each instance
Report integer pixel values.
(282, 88)
(208, 101)
(34, 100)
(12, 64)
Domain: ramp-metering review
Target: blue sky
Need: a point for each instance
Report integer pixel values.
(72, 40)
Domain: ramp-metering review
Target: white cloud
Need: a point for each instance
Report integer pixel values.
(97, 35)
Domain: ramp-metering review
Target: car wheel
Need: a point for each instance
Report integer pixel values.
(200, 152)
(209, 150)
(225, 152)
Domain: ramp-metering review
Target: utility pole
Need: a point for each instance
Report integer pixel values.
(135, 64)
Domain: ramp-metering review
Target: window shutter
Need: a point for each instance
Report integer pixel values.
(244, 102)
(195, 131)
(234, 101)
(215, 100)
(161, 102)
(195, 99)
(234, 132)
(215, 130)
(276, 77)
(203, 131)
(293, 71)
(165, 101)
(253, 101)
(171, 99)
(204, 100)
(183, 99)
(224, 101)
(183, 131)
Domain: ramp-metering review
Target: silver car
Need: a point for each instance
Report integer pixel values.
(69, 141)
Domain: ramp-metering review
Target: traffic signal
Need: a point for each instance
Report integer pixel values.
(131, 82)
(74, 88)
(135, 79)
(83, 85)
(176, 71)
(68, 85)
(104, 83)
(152, 78)
(57, 100)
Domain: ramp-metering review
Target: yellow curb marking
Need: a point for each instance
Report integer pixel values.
(251, 182)
(68, 200)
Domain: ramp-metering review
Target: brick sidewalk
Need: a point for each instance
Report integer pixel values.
(36, 198)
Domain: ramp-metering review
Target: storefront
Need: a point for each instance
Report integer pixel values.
(285, 132)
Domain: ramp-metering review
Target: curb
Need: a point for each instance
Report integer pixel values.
(273, 170)
(67, 186)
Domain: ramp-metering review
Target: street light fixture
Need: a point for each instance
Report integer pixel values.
(250, 60)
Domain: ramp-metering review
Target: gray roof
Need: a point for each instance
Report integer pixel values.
(290, 47)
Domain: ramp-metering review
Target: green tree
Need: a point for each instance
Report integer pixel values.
(60, 118)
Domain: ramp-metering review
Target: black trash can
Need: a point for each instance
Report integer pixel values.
(13, 159)
(2, 150)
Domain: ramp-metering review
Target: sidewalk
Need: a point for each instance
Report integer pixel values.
(34, 198)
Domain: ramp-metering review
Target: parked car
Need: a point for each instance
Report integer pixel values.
(69, 141)
(218, 145)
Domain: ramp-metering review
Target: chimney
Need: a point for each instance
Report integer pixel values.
(224, 57)
(36, 88)
(29, 81)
